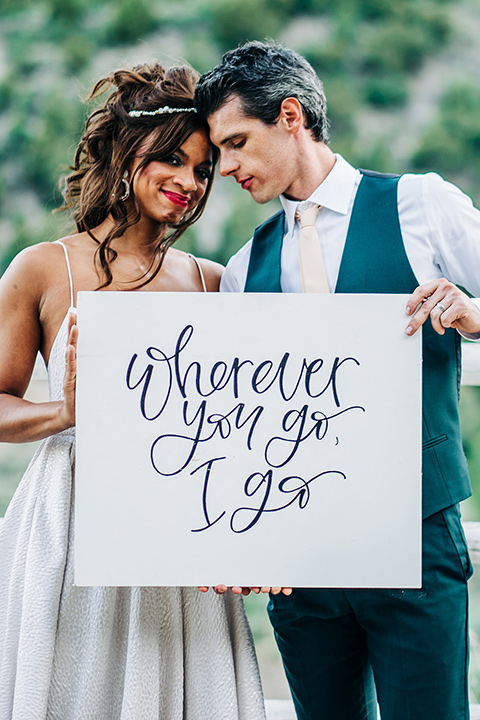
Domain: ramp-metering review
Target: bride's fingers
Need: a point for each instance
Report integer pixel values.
(72, 318)
(70, 377)
(71, 356)
(72, 341)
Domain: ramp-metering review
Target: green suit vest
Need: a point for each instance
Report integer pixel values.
(374, 261)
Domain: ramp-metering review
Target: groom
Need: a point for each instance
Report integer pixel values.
(414, 234)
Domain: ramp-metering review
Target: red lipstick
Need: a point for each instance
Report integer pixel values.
(176, 199)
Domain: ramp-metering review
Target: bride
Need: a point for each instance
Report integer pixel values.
(142, 174)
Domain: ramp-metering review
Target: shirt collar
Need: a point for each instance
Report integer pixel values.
(334, 192)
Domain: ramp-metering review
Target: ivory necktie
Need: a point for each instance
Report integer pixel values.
(312, 269)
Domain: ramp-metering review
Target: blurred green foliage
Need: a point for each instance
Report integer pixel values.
(130, 22)
(52, 52)
(240, 20)
(451, 144)
(470, 417)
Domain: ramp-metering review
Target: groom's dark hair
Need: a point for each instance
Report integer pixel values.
(262, 75)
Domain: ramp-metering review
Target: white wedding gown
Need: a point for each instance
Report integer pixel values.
(76, 653)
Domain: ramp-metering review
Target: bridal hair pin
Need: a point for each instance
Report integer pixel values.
(161, 111)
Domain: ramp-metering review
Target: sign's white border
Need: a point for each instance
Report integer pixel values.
(247, 439)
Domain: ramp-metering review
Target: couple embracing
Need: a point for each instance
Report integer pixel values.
(142, 174)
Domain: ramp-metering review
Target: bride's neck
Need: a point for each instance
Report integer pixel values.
(137, 239)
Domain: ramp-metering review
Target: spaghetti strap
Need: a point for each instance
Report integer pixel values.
(200, 271)
(70, 280)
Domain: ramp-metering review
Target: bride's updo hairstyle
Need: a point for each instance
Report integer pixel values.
(112, 138)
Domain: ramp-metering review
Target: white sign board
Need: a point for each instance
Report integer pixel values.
(247, 439)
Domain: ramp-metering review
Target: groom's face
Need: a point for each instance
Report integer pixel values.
(259, 157)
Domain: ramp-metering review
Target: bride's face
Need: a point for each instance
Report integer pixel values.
(165, 190)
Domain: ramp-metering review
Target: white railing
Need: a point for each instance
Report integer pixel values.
(471, 363)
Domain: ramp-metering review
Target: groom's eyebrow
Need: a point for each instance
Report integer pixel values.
(230, 137)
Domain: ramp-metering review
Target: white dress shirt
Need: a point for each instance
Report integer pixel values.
(439, 224)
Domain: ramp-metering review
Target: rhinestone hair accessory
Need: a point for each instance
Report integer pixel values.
(161, 111)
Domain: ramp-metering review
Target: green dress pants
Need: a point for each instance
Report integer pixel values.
(344, 649)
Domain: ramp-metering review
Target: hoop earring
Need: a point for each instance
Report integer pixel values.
(126, 194)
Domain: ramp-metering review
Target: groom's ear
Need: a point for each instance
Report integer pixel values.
(291, 115)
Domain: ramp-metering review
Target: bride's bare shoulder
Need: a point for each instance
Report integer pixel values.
(34, 261)
(44, 257)
(211, 271)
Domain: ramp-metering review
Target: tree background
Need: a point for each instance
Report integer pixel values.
(402, 84)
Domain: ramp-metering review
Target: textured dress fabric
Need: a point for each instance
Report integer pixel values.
(106, 653)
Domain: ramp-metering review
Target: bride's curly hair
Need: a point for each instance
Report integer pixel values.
(111, 140)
